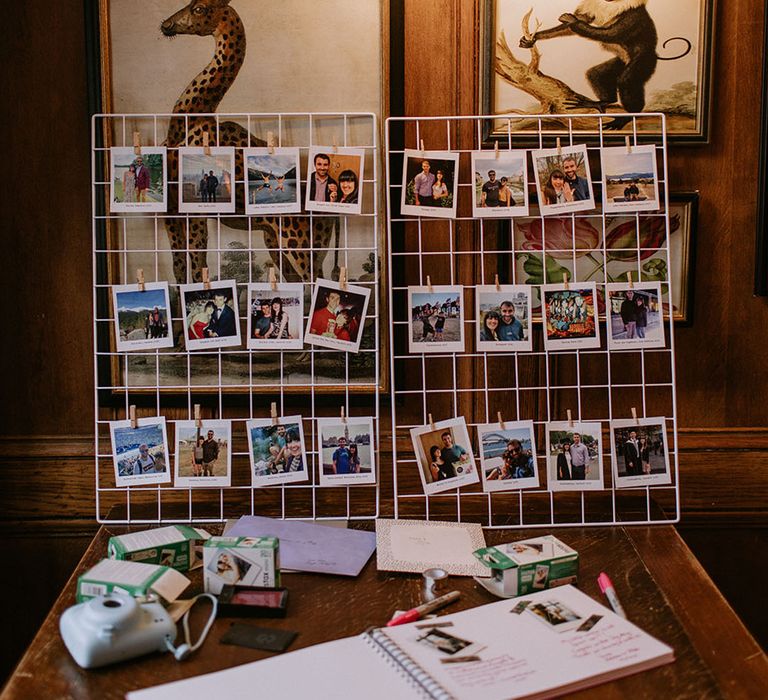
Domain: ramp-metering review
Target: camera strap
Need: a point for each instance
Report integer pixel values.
(184, 650)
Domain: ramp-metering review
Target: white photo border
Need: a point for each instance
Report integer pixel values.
(335, 343)
(624, 207)
(197, 482)
(193, 344)
(141, 479)
(495, 485)
(640, 480)
(145, 343)
(634, 343)
(223, 207)
(500, 158)
(272, 208)
(591, 427)
(525, 345)
(284, 477)
(293, 289)
(571, 343)
(346, 479)
(567, 207)
(335, 207)
(146, 207)
(419, 348)
(430, 212)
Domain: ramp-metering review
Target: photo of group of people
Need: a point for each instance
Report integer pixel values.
(436, 319)
(142, 318)
(346, 451)
(277, 451)
(138, 180)
(140, 453)
(635, 316)
(272, 180)
(508, 456)
(337, 316)
(570, 316)
(276, 316)
(206, 180)
(504, 318)
(203, 453)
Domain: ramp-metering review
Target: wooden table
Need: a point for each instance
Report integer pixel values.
(662, 587)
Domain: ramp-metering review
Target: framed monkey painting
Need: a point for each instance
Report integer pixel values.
(598, 56)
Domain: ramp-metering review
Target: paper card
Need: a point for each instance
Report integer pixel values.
(503, 316)
(635, 316)
(630, 179)
(142, 318)
(273, 180)
(570, 316)
(575, 456)
(501, 184)
(640, 455)
(140, 454)
(508, 456)
(563, 180)
(430, 184)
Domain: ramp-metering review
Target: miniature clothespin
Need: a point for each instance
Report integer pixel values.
(565, 280)
(343, 416)
(431, 422)
(629, 145)
(206, 278)
(429, 284)
(343, 278)
(496, 150)
(206, 143)
(198, 419)
(335, 144)
(137, 143)
(423, 150)
(272, 278)
(501, 421)
(132, 417)
(559, 147)
(273, 413)
(140, 279)
(629, 279)
(271, 142)
(634, 414)
(496, 282)
(570, 418)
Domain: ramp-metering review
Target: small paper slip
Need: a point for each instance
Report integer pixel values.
(311, 547)
(417, 545)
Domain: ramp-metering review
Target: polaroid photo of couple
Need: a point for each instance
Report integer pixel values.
(508, 456)
(574, 456)
(501, 184)
(273, 180)
(635, 316)
(335, 180)
(554, 614)
(337, 316)
(504, 318)
(430, 184)
(570, 316)
(630, 179)
(275, 316)
(640, 455)
(207, 181)
(140, 454)
(444, 455)
(211, 318)
(139, 181)
(563, 180)
(142, 317)
(203, 453)
(347, 452)
(277, 451)
(436, 319)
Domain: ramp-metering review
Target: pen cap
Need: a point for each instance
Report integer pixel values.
(604, 582)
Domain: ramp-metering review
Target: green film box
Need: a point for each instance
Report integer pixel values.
(176, 546)
(527, 566)
(131, 578)
(241, 561)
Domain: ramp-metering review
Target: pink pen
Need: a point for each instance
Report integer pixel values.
(610, 592)
(417, 613)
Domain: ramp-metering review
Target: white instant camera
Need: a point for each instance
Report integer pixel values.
(115, 627)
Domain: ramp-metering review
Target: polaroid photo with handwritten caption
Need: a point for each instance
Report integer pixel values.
(570, 316)
(508, 456)
(203, 453)
(140, 454)
(436, 319)
(640, 454)
(501, 184)
(347, 451)
(635, 315)
(337, 315)
(142, 316)
(277, 451)
(444, 455)
(503, 316)
(563, 180)
(207, 180)
(630, 179)
(574, 456)
(430, 184)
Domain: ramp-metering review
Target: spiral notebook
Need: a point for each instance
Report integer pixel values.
(545, 644)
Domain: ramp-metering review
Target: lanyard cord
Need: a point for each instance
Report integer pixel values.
(185, 649)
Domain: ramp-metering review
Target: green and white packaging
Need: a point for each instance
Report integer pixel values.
(528, 566)
(241, 561)
(131, 578)
(175, 546)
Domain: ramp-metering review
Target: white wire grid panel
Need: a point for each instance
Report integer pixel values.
(597, 385)
(233, 383)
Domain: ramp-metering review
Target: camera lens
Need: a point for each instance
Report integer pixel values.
(112, 603)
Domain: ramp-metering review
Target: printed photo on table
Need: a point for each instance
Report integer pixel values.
(335, 180)
(574, 456)
(570, 316)
(139, 180)
(337, 316)
(436, 319)
(501, 184)
(444, 455)
(640, 455)
(630, 179)
(503, 318)
(142, 318)
(273, 180)
(635, 316)
(277, 451)
(207, 182)
(140, 454)
(563, 180)
(211, 318)
(275, 316)
(508, 456)
(203, 453)
(430, 182)
(441, 640)
(347, 451)
(555, 614)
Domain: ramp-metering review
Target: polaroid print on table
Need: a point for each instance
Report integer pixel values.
(229, 568)
(277, 452)
(275, 316)
(436, 319)
(630, 179)
(575, 456)
(207, 182)
(635, 316)
(203, 453)
(273, 180)
(337, 316)
(640, 456)
(142, 318)
(444, 455)
(347, 451)
(138, 181)
(500, 184)
(563, 180)
(555, 615)
(508, 456)
(503, 318)
(335, 179)
(211, 318)
(140, 454)
(570, 316)
(430, 183)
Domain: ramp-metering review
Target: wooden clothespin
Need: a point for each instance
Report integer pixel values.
(343, 416)
(343, 278)
(132, 416)
(501, 421)
(206, 143)
(496, 282)
(570, 418)
(272, 278)
(559, 147)
(496, 150)
(423, 150)
(206, 278)
(565, 281)
(629, 145)
(629, 278)
(198, 419)
(634, 414)
(273, 413)
(431, 422)
(271, 142)
(335, 144)
(137, 143)
(140, 279)
(429, 284)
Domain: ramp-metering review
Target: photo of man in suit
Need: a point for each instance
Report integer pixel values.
(632, 455)
(222, 321)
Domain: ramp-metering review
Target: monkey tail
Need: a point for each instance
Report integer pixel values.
(674, 58)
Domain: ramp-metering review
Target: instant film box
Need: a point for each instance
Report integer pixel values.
(527, 566)
(175, 546)
(241, 561)
(131, 578)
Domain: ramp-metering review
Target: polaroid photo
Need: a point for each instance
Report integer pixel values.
(335, 180)
(508, 456)
(140, 454)
(273, 180)
(275, 316)
(347, 451)
(142, 317)
(139, 181)
(207, 182)
(337, 316)
(640, 456)
(527, 551)
(540, 576)
(436, 319)
(232, 569)
(501, 184)
(203, 453)
(555, 615)
(430, 183)
(443, 642)
(563, 180)
(444, 455)
(211, 317)
(570, 316)
(277, 452)
(635, 316)
(503, 318)
(630, 179)
(575, 456)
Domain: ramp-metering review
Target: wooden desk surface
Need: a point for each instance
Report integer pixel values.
(662, 587)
